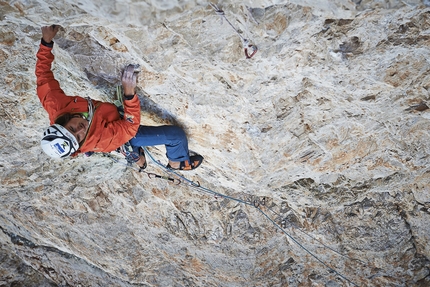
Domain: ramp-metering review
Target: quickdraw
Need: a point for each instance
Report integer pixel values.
(250, 49)
(255, 203)
(172, 180)
(149, 174)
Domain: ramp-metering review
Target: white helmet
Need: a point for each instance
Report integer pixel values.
(58, 142)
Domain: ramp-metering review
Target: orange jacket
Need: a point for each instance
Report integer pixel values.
(107, 131)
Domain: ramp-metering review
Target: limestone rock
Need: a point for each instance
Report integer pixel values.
(325, 129)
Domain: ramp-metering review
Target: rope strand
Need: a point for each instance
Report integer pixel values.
(304, 248)
(250, 49)
(328, 247)
(149, 174)
(198, 186)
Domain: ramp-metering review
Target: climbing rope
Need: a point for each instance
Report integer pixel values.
(254, 204)
(313, 238)
(149, 174)
(304, 248)
(193, 183)
(250, 49)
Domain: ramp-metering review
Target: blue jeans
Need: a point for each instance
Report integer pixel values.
(173, 137)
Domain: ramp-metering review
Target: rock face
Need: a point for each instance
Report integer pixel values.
(325, 130)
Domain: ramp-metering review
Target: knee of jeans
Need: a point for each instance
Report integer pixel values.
(131, 142)
(178, 132)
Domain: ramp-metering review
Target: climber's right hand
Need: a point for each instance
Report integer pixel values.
(129, 80)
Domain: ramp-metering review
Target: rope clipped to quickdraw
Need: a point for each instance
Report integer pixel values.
(253, 203)
(150, 175)
(250, 49)
(193, 183)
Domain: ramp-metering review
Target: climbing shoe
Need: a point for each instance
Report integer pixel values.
(193, 163)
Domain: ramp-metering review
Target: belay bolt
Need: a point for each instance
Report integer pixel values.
(250, 49)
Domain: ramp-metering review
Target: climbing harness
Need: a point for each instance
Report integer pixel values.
(250, 49)
(254, 203)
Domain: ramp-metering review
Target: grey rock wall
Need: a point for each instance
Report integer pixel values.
(327, 125)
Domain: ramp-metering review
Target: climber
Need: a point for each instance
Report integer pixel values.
(80, 125)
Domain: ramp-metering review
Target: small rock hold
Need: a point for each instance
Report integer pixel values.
(368, 98)
(420, 107)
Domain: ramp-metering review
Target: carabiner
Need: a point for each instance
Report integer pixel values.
(254, 51)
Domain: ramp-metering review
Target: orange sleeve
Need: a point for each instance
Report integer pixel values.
(49, 92)
(127, 127)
